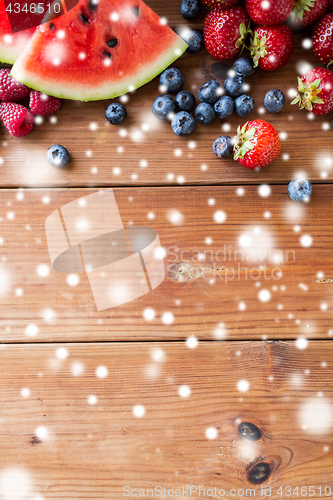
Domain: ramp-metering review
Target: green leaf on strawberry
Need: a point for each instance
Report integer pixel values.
(244, 32)
(307, 94)
(258, 48)
(299, 7)
(243, 141)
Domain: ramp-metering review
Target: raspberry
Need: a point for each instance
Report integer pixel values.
(43, 104)
(11, 89)
(17, 119)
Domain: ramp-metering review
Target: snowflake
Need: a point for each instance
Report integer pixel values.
(220, 216)
(167, 318)
(264, 295)
(149, 314)
(211, 433)
(101, 372)
(139, 411)
(243, 385)
(184, 391)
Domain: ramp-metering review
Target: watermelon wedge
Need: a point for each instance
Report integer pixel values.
(11, 44)
(99, 50)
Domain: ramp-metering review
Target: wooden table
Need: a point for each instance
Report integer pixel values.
(155, 392)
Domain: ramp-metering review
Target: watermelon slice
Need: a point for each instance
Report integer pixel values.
(11, 44)
(98, 51)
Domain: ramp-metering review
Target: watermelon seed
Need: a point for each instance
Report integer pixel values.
(51, 26)
(112, 43)
(135, 11)
(84, 19)
(107, 54)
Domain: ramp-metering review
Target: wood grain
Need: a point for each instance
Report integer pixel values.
(237, 292)
(104, 155)
(71, 448)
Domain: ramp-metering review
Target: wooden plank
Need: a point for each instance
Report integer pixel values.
(145, 151)
(57, 441)
(237, 292)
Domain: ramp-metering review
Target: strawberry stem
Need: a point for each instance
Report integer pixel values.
(243, 141)
(307, 94)
(244, 32)
(299, 7)
(258, 48)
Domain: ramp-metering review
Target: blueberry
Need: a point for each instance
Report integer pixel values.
(185, 101)
(164, 107)
(210, 91)
(183, 123)
(205, 113)
(224, 107)
(223, 146)
(244, 105)
(116, 113)
(234, 85)
(194, 40)
(57, 156)
(243, 66)
(190, 9)
(172, 79)
(299, 189)
(274, 100)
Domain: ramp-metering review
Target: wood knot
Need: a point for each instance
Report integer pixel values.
(259, 473)
(35, 440)
(249, 431)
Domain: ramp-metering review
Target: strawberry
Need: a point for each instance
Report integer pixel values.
(269, 12)
(11, 89)
(256, 144)
(17, 119)
(43, 104)
(306, 12)
(271, 46)
(222, 4)
(315, 91)
(322, 39)
(224, 32)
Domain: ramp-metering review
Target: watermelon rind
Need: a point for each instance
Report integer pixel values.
(105, 91)
(8, 55)
(11, 46)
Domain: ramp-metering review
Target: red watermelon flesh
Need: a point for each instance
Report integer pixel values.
(11, 44)
(98, 51)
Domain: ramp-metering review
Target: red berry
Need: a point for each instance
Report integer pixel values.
(322, 39)
(224, 31)
(43, 104)
(257, 144)
(271, 46)
(306, 12)
(222, 4)
(269, 12)
(17, 119)
(11, 89)
(315, 91)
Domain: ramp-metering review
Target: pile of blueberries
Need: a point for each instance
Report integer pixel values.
(212, 101)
